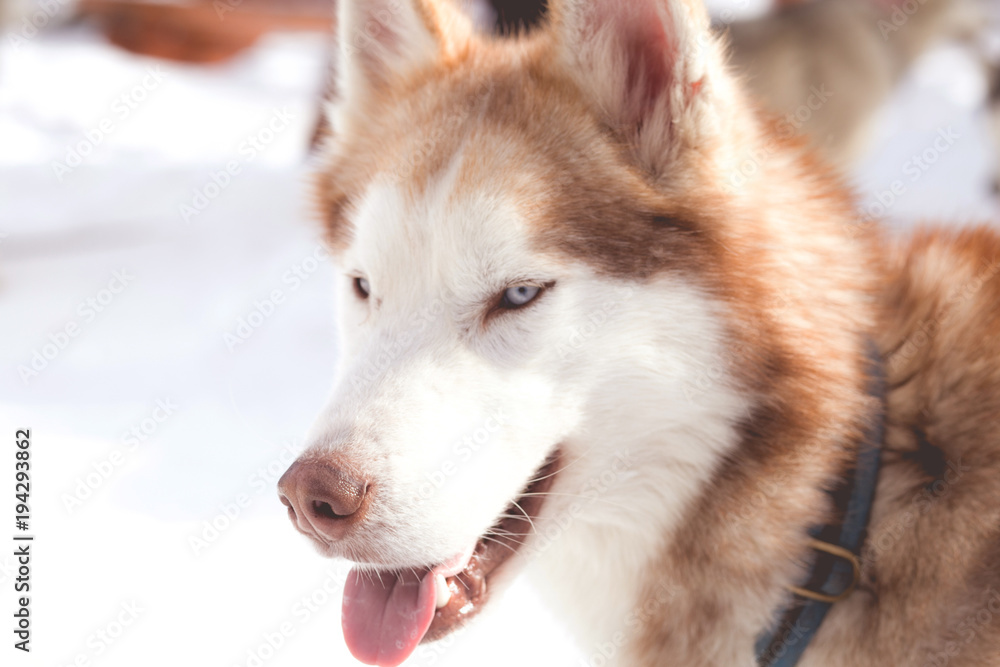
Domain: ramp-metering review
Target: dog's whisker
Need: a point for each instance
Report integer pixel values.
(561, 468)
(503, 531)
(517, 538)
(500, 542)
(578, 495)
(526, 516)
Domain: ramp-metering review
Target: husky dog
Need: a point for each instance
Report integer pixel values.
(827, 66)
(580, 336)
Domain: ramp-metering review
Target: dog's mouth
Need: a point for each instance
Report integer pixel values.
(386, 614)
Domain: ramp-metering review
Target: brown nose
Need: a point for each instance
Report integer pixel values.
(322, 499)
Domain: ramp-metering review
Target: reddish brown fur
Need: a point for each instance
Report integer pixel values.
(804, 286)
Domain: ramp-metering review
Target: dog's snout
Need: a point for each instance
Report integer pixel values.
(323, 499)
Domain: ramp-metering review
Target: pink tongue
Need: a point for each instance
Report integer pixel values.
(385, 620)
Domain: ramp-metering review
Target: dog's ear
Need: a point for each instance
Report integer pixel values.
(651, 68)
(382, 42)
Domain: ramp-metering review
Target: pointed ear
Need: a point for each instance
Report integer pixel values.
(651, 68)
(381, 42)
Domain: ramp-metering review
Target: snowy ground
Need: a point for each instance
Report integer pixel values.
(169, 547)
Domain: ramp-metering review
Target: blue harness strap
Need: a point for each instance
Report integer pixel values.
(836, 568)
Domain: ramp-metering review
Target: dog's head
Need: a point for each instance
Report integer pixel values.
(529, 234)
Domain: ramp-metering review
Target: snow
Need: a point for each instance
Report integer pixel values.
(127, 298)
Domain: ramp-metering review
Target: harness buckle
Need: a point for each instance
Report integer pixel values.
(836, 552)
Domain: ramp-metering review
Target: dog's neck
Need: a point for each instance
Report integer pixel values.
(693, 559)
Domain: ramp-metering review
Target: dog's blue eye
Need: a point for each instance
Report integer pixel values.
(362, 287)
(521, 295)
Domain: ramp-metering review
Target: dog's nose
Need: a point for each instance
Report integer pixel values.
(323, 498)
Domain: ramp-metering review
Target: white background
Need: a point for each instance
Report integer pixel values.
(240, 413)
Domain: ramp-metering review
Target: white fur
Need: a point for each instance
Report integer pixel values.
(607, 370)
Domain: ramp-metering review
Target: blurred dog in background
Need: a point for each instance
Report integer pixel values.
(840, 59)
(824, 67)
